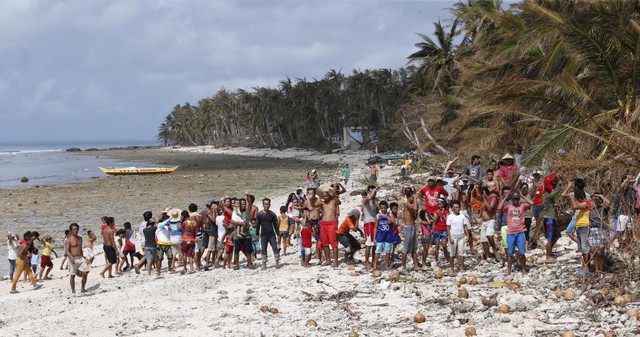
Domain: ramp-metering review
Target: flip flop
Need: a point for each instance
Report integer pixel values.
(14, 292)
(37, 287)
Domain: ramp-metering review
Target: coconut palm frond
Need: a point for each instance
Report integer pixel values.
(548, 143)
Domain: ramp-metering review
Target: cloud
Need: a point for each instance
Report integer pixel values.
(69, 67)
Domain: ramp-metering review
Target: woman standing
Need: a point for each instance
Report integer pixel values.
(12, 246)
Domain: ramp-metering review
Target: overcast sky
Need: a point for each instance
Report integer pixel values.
(112, 70)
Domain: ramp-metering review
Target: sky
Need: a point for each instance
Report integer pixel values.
(113, 69)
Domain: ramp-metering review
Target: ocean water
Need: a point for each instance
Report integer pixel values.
(49, 163)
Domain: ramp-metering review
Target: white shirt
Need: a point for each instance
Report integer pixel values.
(141, 228)
(13, 250)
(220, 224)
(162, 234)
(457, 223)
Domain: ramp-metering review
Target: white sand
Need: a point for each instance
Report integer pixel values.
(227, 302)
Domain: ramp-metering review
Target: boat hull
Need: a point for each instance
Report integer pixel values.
(137, 170)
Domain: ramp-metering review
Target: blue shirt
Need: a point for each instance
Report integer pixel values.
(384, 231)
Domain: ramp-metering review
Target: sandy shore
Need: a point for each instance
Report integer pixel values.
(227, 302)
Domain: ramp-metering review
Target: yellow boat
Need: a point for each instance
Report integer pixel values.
(137, 170)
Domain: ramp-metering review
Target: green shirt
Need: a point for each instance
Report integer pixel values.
(549, 200)
(346, 172)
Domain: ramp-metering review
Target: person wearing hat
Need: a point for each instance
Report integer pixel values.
(175, 234)
(508, 170)
(515, 229)
(351, 244)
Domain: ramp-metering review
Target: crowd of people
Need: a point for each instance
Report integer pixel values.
(501, 204)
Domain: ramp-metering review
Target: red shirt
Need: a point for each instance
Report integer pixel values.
(441, 224)
(507, 172)
(537, 198)
(431, 195)
(306, 234)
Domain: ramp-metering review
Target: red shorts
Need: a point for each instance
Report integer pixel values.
(129, 246)
(369, 229)
(188, 248)
(228, 246)
(46, 261)
(328, 233)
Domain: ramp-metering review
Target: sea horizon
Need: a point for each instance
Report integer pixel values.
(48, 162)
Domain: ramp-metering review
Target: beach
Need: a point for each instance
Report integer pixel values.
(344, 301)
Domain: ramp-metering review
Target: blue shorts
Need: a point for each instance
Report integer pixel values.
(387, 246)
(572, 224)
(519, 240)
(551, 231)
(150, 253)
(440, 236)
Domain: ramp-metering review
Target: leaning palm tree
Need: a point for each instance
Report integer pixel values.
(564, 76)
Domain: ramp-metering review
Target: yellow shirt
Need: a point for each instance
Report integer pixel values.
(582, 219)
(47, 249)
(284, 223)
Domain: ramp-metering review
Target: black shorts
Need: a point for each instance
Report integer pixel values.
(110, 252)
(205, 241)
(348, 241)
(243, 245)
(527, 224)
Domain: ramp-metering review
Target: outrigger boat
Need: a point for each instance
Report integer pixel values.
(137, 170)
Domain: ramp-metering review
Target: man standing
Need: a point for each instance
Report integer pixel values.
(458, 232)
(409, 216)
(329, 203)
(108, 244)
(196, 217)
(369, 211)
(150, 249)
(266, 229)
(77, 263)
(474, 171)
(146, 216)
(23, 263)
(431, 193)
(242, 238)
(508, 171)
(488, 228)
(314, 219)
(515, 213)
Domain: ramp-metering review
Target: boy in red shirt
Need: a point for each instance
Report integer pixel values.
(431, 193)
(306, 234)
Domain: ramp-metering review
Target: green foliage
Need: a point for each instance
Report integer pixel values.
(299, 113)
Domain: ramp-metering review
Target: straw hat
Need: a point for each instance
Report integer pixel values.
(508, 156)
(441, 180)
(174, 214)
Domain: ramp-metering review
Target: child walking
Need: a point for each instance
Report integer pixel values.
(45, 261)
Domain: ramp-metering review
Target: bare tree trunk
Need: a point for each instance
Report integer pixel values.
(411, 135)
(426, 133)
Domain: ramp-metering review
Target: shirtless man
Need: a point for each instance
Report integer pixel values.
(492, 184)
(409, 216)
(374, 172)
(329, 204)
(253, 220)
(77, 264)
(209, 214)
(195, 216)
(370, 208)
(314, 218)
(109, 244)
(487, 231)
(206, 229)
